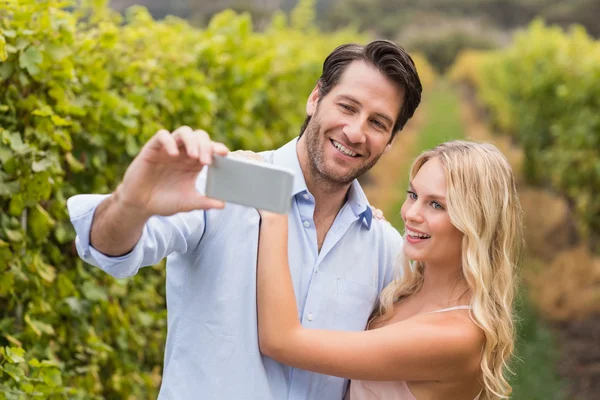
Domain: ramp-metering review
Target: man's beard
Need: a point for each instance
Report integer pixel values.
(316, 158)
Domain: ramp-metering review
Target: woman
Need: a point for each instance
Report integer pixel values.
(445, 329)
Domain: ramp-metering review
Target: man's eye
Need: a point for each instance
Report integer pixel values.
(378, 124)
(346, 107)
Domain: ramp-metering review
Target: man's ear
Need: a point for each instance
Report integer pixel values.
(390, 144)
(313, 100)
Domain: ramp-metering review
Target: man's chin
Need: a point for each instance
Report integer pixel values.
(339, 178)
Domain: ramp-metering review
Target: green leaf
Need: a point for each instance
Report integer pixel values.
(16, 205)
(13, 235)
(3, 55)
(52, 377)
(40, 222)
(65, 286)
(7, 281)
(14, 371)
(15, 354)
(13, 340)
(39, 327)
(93, 292)
(34, 362)
(21, 43)
(57, 53)
(48, 363)
(5, 154)
(131, 146)
(5, 253)
(9, 33)
(63, 139)
(73, 163)
(6, 70)
(74, 304)
(44, 111)
(64, 233)
(59, 121)
(41, 165)
(47, 272)
(9, 188)
(30, 59)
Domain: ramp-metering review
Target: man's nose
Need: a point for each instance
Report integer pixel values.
(354, 131)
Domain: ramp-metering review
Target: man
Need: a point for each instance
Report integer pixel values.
(339, 257)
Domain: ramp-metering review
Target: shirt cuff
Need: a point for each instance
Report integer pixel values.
(81, 211)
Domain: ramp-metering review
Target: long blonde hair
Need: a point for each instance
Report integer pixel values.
(483, 204)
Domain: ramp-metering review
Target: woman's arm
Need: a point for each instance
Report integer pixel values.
(425, 348)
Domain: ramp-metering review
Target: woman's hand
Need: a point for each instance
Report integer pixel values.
(378, 214)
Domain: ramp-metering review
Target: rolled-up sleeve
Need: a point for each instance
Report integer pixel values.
(161, 236)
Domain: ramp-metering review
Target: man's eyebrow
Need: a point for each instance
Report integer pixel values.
(430, 196)
(355, 101)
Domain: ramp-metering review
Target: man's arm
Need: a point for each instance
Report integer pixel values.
(158, 186)
(116, 227)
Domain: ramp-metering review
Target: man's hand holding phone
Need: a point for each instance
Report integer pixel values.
(161, 179)
(245, 178)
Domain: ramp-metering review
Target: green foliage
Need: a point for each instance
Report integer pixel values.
(80, 92)
(534, 367)
(544, 91)
(390, 17)
(442, 48)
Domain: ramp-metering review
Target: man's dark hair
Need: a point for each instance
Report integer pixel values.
(390, 59)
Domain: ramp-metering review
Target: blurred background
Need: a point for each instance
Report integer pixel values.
(83, 84)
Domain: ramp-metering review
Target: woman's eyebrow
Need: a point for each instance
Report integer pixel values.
(428, 196)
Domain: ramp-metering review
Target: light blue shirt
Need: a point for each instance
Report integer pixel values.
(212, 347)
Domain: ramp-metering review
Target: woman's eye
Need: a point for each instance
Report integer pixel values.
(411, 195)
(437, 205)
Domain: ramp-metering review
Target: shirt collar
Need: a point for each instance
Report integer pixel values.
(287, 156)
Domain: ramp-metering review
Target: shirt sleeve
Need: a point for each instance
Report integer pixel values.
(161, 236)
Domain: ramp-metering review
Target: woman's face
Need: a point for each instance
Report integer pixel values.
(429, 236)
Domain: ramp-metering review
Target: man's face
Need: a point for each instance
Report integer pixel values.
(351, 127)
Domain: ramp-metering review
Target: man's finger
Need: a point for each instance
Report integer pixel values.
(219, 148)
(191, 145)
(200, 202)
(204, 146)
(185, 138)
(163, 140)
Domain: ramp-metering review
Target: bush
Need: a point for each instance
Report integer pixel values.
(81, 90)
(441, 49)
(543, 90)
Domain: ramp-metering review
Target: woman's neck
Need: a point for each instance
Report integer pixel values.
(443, 287)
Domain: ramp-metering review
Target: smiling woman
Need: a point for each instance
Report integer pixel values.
(444, 329)
(427, 222)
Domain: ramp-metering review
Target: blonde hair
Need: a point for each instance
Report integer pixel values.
(483, 204)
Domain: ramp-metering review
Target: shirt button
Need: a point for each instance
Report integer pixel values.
(305, 195)
(306, 224)
(309, 316)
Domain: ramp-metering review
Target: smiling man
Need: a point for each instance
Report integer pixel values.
(340, 257)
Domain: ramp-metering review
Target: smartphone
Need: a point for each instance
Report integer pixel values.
(250, 183)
